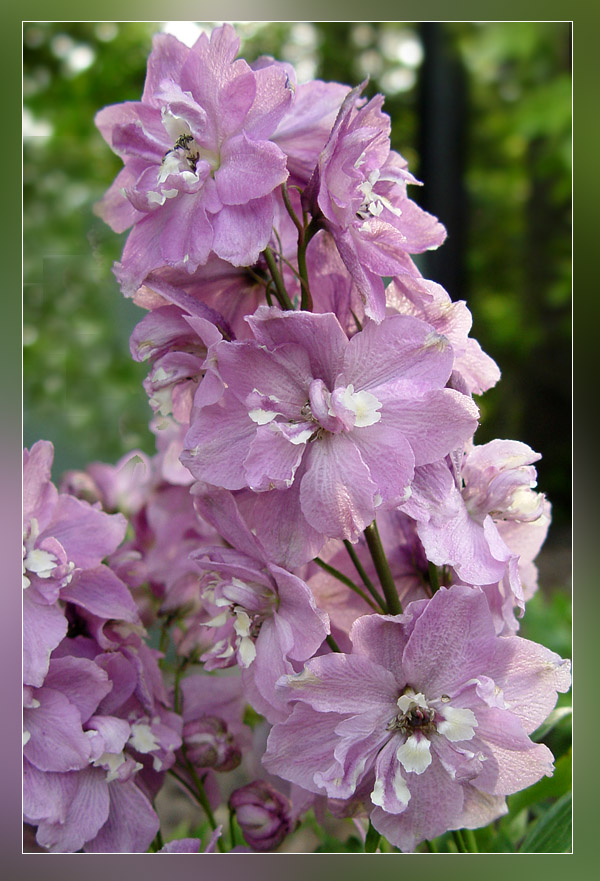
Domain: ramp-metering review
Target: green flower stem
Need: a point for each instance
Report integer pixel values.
(280, 290)
(306, 302)
(199, 793)
(332, 643)
(470, 840)
(232, 834)
(345, 580)
(434, 577)
(157, 842)
(365, 578)
(177, 684)
(288, 204)
(382, 568)
(459, 841)
(372, 840)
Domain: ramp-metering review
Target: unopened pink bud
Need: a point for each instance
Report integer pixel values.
(262, 813)
(209, 744)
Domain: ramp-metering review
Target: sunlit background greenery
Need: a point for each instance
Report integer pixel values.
(505, 90)
(81, 388)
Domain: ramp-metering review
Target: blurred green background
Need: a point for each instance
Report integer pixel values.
(482, 113)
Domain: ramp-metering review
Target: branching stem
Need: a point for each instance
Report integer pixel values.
(331, 570)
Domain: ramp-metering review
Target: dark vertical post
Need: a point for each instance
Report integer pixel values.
(442, 105)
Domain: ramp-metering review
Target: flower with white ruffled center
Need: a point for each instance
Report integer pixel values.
(339, 424)
(425, 724)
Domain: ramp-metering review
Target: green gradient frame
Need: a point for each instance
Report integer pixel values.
(586, 180)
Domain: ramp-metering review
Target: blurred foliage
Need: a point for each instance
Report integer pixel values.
(81, 388)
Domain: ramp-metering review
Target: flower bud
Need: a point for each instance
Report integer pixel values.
(209, 744)
(262, 813)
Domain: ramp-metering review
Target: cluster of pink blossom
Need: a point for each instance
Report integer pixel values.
(318, 537)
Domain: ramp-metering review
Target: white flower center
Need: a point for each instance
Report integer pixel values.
(364, 405)
(419, 719)
(374, 203)
(41, 563)
(185, 154)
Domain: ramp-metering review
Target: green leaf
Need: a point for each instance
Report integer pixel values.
(555, 717)
(552, 832)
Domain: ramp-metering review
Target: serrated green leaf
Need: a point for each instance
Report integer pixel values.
(552, 832)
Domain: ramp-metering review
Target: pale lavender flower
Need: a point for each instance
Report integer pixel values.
(473, 372)
(306, 126)
(200, 170)
(255, 614)
(334, 426)
(358, 191)
(478, 512)
(99, 737)
(426, 722)
(64, 542)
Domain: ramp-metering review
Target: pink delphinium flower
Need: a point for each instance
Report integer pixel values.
(99, 737)
(358, 191)
(426, 722)
(481, 516)
(254, 613)
(199, 167)
(474, 372)
(336, 425)
(65, 541)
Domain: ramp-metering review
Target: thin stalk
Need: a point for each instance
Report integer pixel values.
(345, 580)
(288, 204)
(470, 840)
(332, 643)
(268, 293)
(459, 841)
(365, 578)
(163, 644)
(306, 301)
(281, 292)
(372, 839)
(157, 842)
(434, 577)
(232, 834)
(199, 793)
(356, 320)
(304, 238)
(258, 278)
(177, 685)
(382, 567)
(296, 273)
